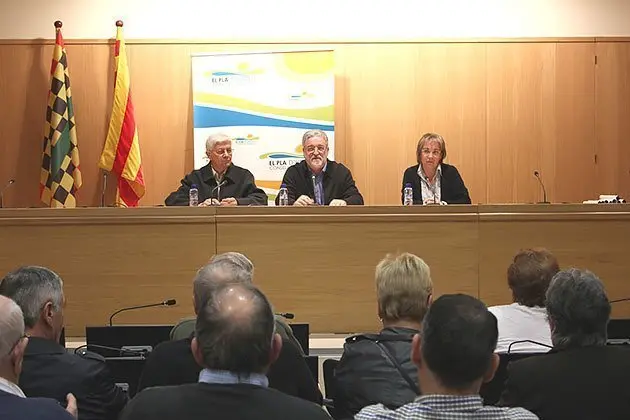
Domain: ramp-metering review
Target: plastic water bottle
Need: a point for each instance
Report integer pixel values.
(408, 195)
(283, 196)
(193, 196)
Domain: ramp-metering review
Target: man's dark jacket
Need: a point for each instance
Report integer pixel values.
(172, 363)
(338, 183)
(50, 371)
(365, 375)
(578, 383)
(239, 183)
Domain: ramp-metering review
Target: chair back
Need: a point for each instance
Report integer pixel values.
(491, 391)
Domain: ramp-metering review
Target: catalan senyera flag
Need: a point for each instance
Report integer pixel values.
(121, 153)
(60, 175)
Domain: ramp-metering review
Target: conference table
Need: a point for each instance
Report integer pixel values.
(315, 262)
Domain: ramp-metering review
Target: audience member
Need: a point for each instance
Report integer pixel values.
(454, 357)
(376, 368)
(48, 370)
(526, 319)
(13, 403)
(582, 377)
(235, 342)
(172, 362)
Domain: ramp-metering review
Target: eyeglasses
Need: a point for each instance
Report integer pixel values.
(311, 149)
(223, 151)
(428, 152)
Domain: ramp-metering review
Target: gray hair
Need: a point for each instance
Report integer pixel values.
(213, 139)
(578, 309)
(314, 133)
(234, 329)
(31, 287)
(428, 138)
(11, 325)
(229, 267)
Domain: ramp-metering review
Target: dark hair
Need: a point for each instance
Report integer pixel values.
(459, 336)
(529, 275)
(238, 340)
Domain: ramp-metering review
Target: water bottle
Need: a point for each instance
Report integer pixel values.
(193, 196)
(283, 196)
(408, 195)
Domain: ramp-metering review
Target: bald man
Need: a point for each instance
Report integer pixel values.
(235, 342)
(13, 403)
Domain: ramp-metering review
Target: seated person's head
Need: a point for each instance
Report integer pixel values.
(578, 309)
(39, 293)
(12, 339)
(529, 276)
(229, 267)
(403, 290)
(235, 330)
(456, 352)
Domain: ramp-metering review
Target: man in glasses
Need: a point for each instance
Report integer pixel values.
(317, 180)
(13, 402)
(220, 183)
(48, 369)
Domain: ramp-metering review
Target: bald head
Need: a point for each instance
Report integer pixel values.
(11, 325)
(235, 328)
(229, 267)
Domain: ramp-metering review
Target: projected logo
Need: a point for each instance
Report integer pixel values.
(280, 161)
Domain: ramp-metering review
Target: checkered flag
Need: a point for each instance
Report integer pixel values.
(60, 175)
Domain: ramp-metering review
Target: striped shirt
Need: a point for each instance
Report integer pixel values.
(451, 407)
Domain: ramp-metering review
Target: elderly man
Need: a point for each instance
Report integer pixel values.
(317, 180)
(48, 370)
(13, 403)
(220, 183)
(582, 377)
(235, 342)
(172, 362)
(454, 354)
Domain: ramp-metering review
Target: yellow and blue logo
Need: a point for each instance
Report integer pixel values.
(302, 95)
(283, 155)
(243, 71)
(248, 139)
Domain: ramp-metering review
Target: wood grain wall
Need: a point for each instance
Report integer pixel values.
(505, 109)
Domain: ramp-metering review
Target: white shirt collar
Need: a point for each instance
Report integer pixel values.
(11, 388)
(438, 172)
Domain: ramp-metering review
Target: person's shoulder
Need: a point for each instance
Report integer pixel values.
(412, 169)
(518, 413)
(239, 170)
(380, 412)
(448, 169)
(297, 167)
(305, 409)
(499, 310)
(42, 409)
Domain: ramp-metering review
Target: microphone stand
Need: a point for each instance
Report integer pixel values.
(165, 303)
(537, 175)
(104, 189)
(8, 184)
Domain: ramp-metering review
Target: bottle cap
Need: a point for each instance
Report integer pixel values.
(283, 185)
(408, 185)
(193, 186)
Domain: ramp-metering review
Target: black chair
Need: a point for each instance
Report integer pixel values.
(330, 385)
(491, 391)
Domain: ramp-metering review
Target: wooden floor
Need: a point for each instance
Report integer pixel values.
(315, 262)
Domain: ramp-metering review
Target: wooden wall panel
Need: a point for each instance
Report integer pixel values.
(574, 166)
(521, 103)
(505, 110)
(613, 118)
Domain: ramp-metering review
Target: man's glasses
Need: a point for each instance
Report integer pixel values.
(312, 149)
(428, 152)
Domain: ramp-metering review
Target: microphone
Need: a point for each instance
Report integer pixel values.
(619, 300)
(121, 351)
(218, 189)
(7, 185)
(528, 341)
(169, 302)
(537, 175)
(287, 315)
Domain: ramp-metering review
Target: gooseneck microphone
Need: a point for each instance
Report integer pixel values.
(314, 188)
(169, 302)
(537, 175)
(619, 300)
(509, 349)
(287, 315)
(7, 185)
